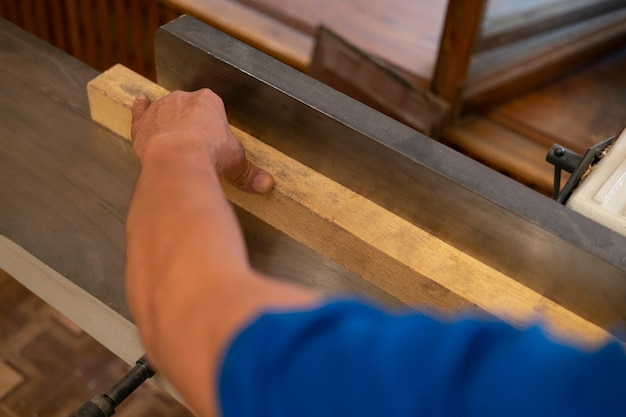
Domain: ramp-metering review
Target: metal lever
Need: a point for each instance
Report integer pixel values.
(103, 405)
(577, 165)
(562, 159)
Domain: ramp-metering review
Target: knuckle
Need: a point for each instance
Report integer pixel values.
(211, 97)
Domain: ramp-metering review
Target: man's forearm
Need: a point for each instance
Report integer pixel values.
(182, 243)
(189, 284)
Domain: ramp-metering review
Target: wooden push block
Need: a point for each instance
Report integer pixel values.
(393, 254)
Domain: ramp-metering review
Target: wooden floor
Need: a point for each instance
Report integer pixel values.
(49, 367)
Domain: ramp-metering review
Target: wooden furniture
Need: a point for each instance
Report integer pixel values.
(487, 52)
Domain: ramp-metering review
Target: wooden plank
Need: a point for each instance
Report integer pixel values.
(535, 19)
(384, 249)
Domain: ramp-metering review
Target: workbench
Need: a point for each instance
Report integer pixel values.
(66, 182)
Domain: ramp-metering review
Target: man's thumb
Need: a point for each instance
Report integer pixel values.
(140, 105)
(262, 181)
(250, 178)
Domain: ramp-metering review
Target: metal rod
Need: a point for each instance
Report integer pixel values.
(103, 405)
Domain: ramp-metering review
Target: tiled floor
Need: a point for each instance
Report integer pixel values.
(49, 366)
(9, 378)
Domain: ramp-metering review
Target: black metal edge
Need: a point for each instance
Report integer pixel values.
(550, 248)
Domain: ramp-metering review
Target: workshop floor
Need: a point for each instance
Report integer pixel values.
(49, 366)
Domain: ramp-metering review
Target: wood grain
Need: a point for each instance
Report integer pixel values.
(386, 250)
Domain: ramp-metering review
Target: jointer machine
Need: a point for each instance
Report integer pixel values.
(362, 205)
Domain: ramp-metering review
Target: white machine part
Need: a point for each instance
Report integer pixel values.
(601, 195)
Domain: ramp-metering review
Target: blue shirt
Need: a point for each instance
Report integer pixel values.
(349, 359)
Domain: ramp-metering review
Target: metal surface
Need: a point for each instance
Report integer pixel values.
(557, 252)
(65, 183)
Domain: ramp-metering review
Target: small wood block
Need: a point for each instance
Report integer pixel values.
(111, 96)
(393, 254)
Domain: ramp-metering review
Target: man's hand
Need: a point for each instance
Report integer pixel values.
(196, 123)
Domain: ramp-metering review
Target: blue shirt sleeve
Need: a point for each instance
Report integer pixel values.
(349, 359)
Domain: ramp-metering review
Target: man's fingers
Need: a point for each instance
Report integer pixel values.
(231, 162)
(141, 104)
